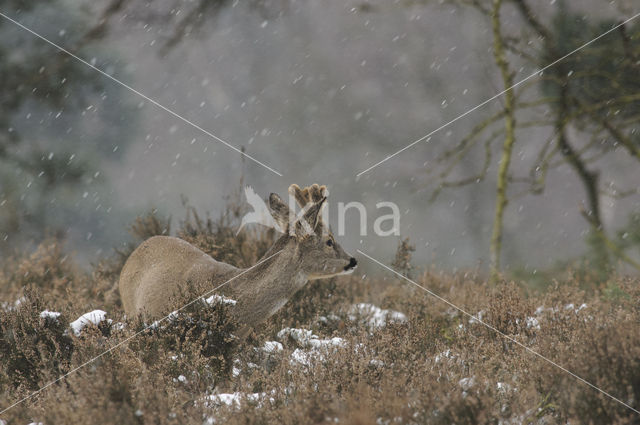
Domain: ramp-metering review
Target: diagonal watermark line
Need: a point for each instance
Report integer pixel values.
(147, 98)
(146, 327)
(538, 72)
(498, 332)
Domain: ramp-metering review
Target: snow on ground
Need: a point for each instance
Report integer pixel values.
(235, 399)
(467, 383)
(8, 306)
(236, 371)
(316, 349)
(46, 314)
(171, 317)
(376, 363)
(306, 357)
(504, 387)
(532, 322)
(220, 299)
(374, 316)
(94, 317)
(572, 307)
(308, 339)
(311, 348)
(569, 307)
(446, 354)
(271, 346)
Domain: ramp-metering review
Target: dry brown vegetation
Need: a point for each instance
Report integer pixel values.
(437, 366)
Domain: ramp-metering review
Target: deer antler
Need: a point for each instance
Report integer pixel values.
(310, 194)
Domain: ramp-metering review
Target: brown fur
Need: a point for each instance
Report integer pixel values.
(162, 268)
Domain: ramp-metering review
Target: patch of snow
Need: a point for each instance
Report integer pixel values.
(539, 310)
(329, 318)
(310, 347)
(375, 316)
(8, 306)
(467, 383)
(376, 363)
(532, 322)
(503, 386)
(118, 326)
(258, 397)
(360, 348)
(236, 371)
(272, 346)
(232, 400)
(305, 357)
(571, 306)
(235, 399)
(46, 314)
(447, 354)
(94, 317)
(299, 335)
(220, 299)
(308, 339)
(321, 343)
(182, 379)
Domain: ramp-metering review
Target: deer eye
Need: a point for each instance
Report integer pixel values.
(329, 242)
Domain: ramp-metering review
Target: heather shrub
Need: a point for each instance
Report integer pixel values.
(50, 271)
(364, 350)
(33, 349)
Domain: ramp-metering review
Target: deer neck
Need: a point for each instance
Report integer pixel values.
(263, 289)
(278, 270)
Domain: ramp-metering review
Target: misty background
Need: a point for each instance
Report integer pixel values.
(319, 91)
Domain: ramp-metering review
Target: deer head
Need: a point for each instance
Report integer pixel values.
(318, 253)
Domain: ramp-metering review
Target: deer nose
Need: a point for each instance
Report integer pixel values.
(352, 264)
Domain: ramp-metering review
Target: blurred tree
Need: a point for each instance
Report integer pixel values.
(58, 123)
(51, 155)
(509, 138)
(589, 102)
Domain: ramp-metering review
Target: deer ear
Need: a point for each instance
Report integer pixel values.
(279, 211)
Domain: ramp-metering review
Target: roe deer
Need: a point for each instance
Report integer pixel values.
(162, 266)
